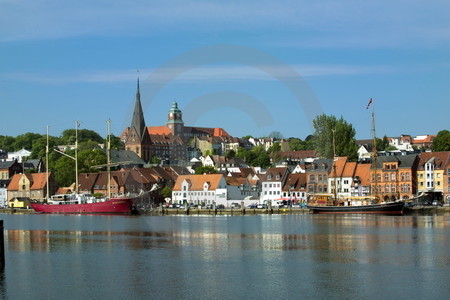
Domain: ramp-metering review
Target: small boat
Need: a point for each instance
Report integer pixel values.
(84, 203)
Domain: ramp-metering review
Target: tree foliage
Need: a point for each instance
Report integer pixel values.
(68, 136)
(334, 136)
(166, 192)
(205, 170)
(442, 141)
(296, 144)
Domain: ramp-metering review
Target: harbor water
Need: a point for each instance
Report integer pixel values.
(300, 256)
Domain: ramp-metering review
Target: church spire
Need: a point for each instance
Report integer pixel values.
(138, 122)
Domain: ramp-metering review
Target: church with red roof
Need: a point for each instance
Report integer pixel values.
(168, 142)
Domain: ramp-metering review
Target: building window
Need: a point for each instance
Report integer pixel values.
(408, 176)
(393, 176)
(386, 177)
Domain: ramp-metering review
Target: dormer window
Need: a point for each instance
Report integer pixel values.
(269, 177)
(277, 177)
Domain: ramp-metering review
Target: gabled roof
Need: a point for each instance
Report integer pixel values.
(86, 181)
(363, 173)
(235, 181)
(118, 156)
(441, 159)
(349, 169)
(338, 166)
(404, 161)
(37, 181)
(273, 172)
(197, 181)
(295, 182)
(7, 164)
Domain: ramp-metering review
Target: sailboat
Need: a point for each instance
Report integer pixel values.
(330, 204)
(78, 203)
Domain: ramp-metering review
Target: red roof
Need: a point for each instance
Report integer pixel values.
(159, 130)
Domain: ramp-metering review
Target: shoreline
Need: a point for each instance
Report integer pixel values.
(239, 211)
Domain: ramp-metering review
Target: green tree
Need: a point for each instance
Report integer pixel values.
(25, 141)
(39, 146)
(116, 143)
(230, 154)
(88, 159)
(64, 170)
(442, 141)
(7, 143)
(167, 192)
(68, 136)
(155, 160)
(329, 129)
(205, 170)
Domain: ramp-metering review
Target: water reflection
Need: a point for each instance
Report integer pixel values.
(306, 256)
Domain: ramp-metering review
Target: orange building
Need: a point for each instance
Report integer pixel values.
(394, 177)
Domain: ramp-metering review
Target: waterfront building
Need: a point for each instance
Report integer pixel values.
(33, 186)
(433, 176)
(272, 183)
(393, 177)
(200, 189)
(317, 174)
(294, 189)
(342, 174)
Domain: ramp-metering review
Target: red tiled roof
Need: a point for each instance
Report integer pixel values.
(363, 172)
(159, 130)
(197, 181)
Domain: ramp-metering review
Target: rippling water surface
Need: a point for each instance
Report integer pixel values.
(226, 257)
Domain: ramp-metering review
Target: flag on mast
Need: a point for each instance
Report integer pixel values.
(368, 104)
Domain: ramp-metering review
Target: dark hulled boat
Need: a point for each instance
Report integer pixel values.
(391, 208)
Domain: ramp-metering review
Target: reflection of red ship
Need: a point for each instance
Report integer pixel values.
(84, 203)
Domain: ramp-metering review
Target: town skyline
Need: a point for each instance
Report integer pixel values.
(251, 68)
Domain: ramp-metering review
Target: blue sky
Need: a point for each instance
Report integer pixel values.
(250, 67)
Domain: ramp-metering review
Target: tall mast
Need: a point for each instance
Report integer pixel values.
(334, 165)
(108, 157)
(374, 153)
(46, 166)
(76, 156)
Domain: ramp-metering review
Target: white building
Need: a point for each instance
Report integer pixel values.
(200, 189)
(19, 155)
(272, 183)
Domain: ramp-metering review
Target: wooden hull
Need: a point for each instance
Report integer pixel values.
(114, 206)
(393, 208)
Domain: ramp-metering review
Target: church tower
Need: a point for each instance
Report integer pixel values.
(175, 120)
(138, 139)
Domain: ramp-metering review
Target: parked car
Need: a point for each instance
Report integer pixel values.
(220, 206)
(436, 203)
(261, 206)
(235, 205)
(252, 206)
(209, 206)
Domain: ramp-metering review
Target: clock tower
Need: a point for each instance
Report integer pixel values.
(175, 120)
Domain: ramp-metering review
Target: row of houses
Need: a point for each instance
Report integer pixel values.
(426, 175)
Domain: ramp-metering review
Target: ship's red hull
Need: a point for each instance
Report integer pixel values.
(114, 206)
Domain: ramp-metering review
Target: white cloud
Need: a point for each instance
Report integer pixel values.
(203, 74)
